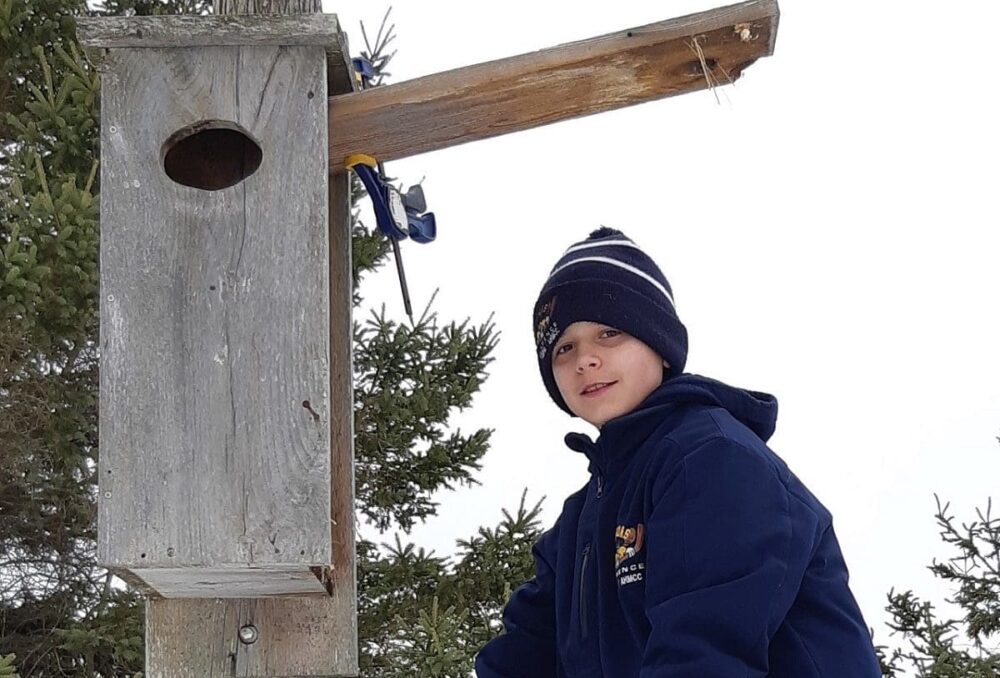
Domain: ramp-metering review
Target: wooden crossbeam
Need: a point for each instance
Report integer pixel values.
(568, 81)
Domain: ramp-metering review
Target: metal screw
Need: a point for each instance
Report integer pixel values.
(248, 634)
(170, 552)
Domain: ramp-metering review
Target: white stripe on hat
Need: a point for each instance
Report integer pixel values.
(620, 264)
(599, 243)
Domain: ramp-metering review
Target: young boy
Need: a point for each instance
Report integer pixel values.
(692, 552)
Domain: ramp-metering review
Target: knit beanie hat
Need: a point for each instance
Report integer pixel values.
(607, 279)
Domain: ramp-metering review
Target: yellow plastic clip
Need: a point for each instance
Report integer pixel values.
(360, 159)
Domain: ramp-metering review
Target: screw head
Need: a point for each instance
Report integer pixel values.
(248, 634)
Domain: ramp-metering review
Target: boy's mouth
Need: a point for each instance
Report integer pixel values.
(597, 388)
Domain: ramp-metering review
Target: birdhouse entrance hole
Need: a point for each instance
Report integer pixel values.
(211, 155)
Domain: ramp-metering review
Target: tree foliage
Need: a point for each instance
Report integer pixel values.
(48, 326)
(966, 647)
(7, 667)
(426, 615)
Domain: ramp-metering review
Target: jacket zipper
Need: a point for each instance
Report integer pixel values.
(583, 591)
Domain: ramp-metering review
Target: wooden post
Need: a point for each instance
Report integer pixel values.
(227, 463)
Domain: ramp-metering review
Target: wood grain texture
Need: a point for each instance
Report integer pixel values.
(98, 34)
(296, 637)
(314, 636)
(339, 69)
(581, 78)
(343, 585)
(207, 31)
(213, 323)
(231, 582)
(267, 6)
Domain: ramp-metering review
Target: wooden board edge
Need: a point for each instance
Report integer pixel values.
(208, 31)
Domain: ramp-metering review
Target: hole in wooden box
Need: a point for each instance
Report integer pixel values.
(211, 155)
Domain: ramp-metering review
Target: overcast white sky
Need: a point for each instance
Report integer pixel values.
(830, 232)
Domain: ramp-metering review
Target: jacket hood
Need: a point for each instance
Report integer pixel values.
(756, 410)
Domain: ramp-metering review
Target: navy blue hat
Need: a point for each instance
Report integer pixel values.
(607, 279)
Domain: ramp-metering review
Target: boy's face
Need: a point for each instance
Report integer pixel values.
(603, 373)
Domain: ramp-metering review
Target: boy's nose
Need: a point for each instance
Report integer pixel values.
(587, 361)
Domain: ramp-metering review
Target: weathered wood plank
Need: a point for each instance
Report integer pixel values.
(268, 6)
(295, 637)
(213, 330)
(231, 582)
(208, 31)
(97, 34)
(339, 72)
(581, 78)
(342, 608)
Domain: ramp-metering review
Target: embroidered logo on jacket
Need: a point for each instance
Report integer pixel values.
(628, 545)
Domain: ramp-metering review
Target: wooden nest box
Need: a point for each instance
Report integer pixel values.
(225, 301)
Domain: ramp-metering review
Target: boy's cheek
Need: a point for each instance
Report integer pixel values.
(563, 384)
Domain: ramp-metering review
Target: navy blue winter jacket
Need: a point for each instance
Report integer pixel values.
(692, 552)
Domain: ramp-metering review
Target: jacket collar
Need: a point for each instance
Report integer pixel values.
(620, 437)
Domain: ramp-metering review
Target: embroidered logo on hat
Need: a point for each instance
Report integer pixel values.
(546, 331)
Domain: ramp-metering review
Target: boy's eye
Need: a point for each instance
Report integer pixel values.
(560, 351)
(610, 332)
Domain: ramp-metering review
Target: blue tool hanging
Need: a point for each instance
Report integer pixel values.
(398, 215)
(364, 71)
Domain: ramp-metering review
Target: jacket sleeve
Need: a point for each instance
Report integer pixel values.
(727, 552)
(527, 648)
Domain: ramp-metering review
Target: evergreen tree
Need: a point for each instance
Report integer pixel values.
(953, 648)
(60, 614)
(48, 362)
